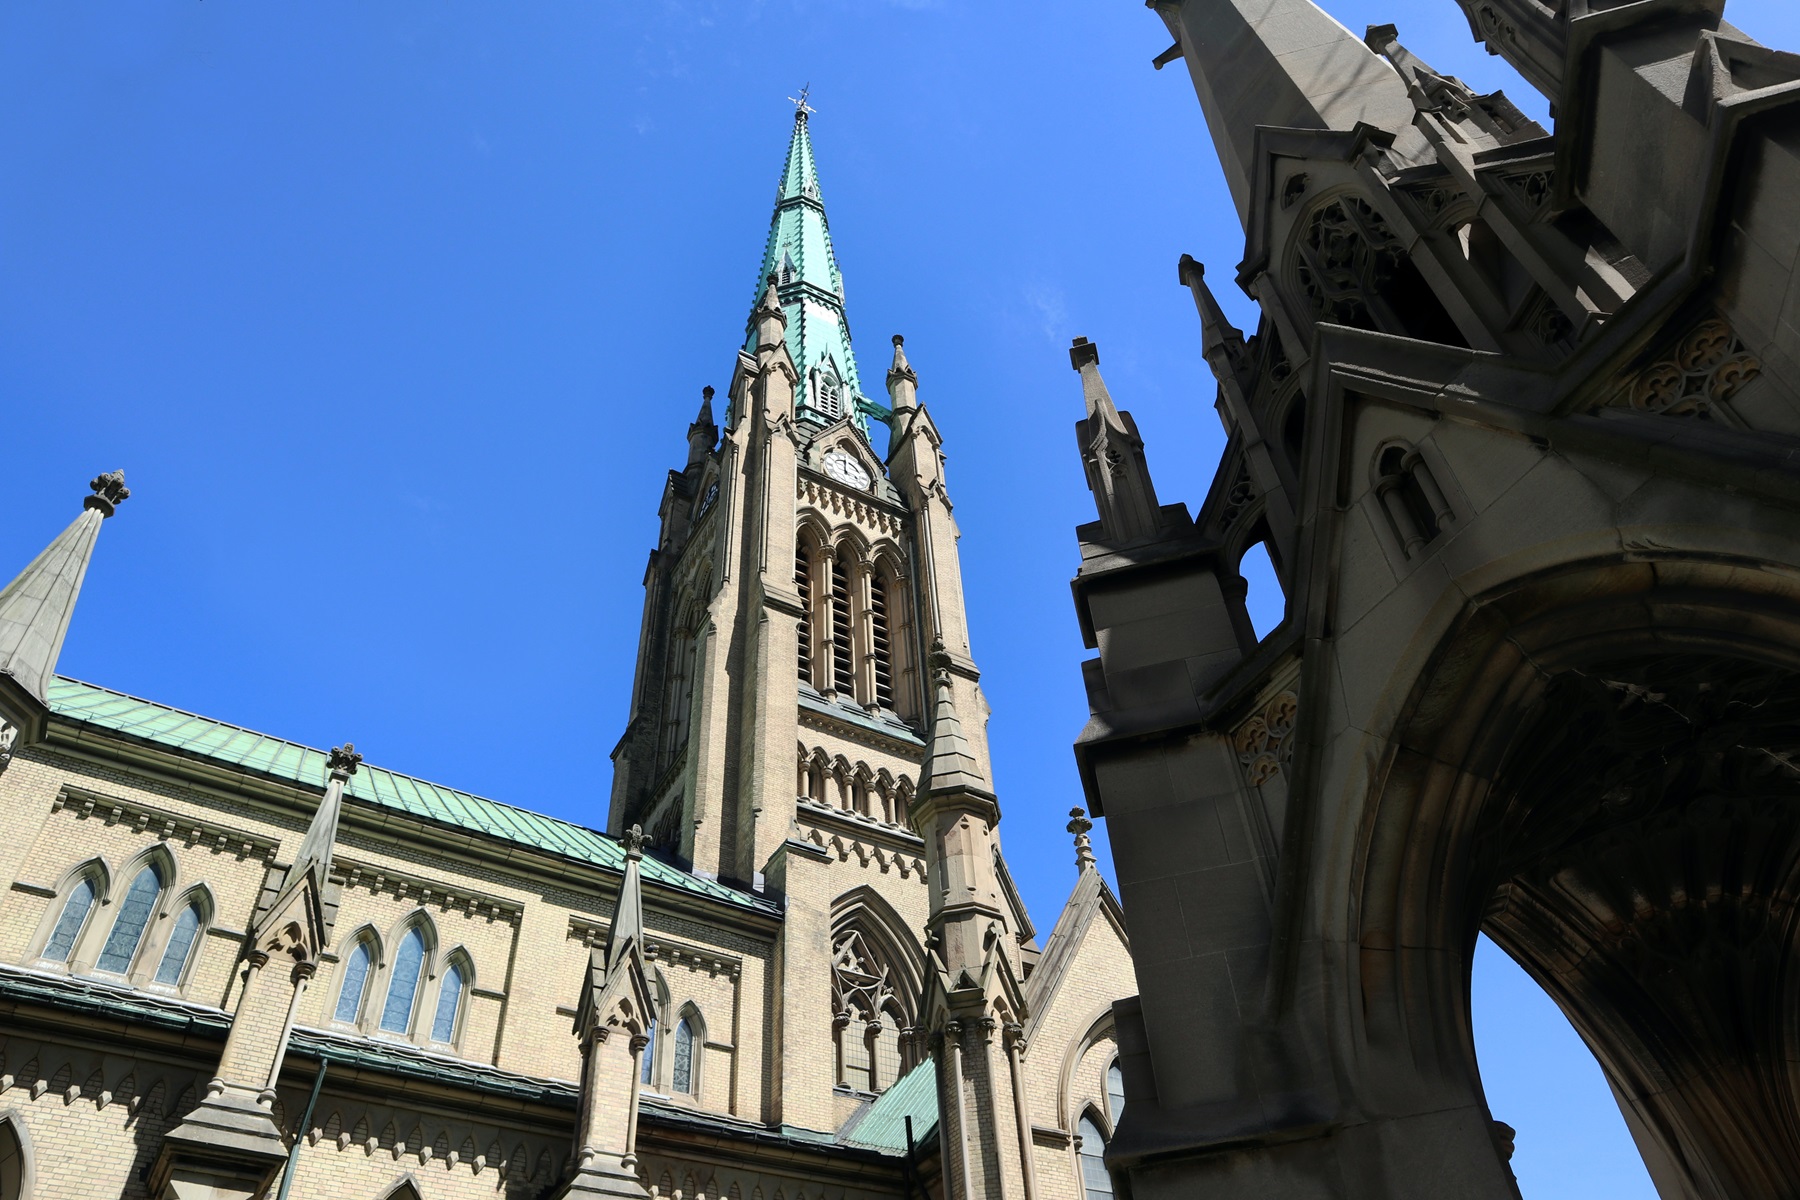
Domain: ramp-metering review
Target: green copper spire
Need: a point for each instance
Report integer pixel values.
(811, 289)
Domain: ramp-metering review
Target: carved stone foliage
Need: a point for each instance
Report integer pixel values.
(1532, 189)
(1348, 255)
(1707, 368)
(1643, 839)
(1265, 742)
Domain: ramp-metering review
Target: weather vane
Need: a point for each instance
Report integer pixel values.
(801, 107)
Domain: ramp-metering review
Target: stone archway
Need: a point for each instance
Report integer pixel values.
(15, 1159)
(1601, 770)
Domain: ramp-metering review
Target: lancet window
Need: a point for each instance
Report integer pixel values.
(355, 986)
(449, 1003)
(1096, 1182)
(853, 635)
(73, 919)
(678, 689)
(179, 951)
(134, 917)
(403, 983)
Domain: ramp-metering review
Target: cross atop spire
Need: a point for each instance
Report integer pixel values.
(801, 108)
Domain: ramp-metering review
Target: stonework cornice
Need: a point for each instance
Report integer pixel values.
(164, 825)
(591, 933)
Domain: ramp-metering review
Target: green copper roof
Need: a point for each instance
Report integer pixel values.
(811, 288)
(883, 1125)
(231, 745)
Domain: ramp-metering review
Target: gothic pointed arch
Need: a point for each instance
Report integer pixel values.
(877, 976)
(358, 964)
(404, 1188)
(18, 1166)
(144, 883)
(1602, 783)
(175, 944)
(69, 918)
(402, 981)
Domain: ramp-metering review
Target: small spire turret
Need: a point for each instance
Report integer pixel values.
(35, 610)
(1220, 341)
(704, 432)
(902, 382)
(1113, 454)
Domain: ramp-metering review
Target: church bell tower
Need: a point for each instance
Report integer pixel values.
(781, 708)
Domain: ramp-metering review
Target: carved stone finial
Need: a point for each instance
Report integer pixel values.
(343, 761)
(634, 841)
(939, 658)
(1083, 353)
(109, 492)
(707, 392)
(1084, 849)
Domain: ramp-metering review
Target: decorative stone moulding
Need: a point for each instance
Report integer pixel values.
(662, 949)
(1707, 368)
(428, 893)
(163, 825)
(1264, 742)
(829, 498)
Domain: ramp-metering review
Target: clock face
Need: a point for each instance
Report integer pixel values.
(844, 468)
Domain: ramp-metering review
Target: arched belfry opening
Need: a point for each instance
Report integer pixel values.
(1600, 770)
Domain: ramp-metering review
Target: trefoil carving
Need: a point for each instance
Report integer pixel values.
(1708, 368)
(1264, 743)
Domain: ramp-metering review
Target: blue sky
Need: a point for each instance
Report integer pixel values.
(395, 316)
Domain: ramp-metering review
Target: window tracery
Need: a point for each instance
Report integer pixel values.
(852, 630)
(867, 1019)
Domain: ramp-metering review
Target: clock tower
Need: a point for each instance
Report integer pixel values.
(782, 701)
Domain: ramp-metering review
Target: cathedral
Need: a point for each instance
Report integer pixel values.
(793, 966)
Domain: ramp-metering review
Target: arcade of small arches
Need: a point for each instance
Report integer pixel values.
(855, 635)
(835, 782)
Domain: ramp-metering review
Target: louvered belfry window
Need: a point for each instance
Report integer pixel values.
(803, 585)
(884, 668)
(843, 672)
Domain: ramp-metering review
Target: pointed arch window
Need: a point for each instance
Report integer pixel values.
(180, 949)
(647, 1071)
(134, 917)
(1096, 1181)
(449, 1004)
(1115, 1092)
(881, 637)
(356, 983)
(867, 1018)
(843, 670)
(683, 1080)
(828, 392)
(803, 585)
(15, 1172)
(403, 984)
(74, 916)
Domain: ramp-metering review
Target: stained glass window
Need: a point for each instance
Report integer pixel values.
(128, 928)
(1115, 1092)
(403, 987)
(649, 1057)
(356, 981)
(68, 926)
(684, 1057)
(443, 1022)
(180, 947)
